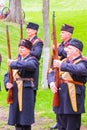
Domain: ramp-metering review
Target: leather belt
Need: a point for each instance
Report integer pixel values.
(24, 79)
(69, 81)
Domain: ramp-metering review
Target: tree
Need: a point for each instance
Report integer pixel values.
(15, 11)
(46, 49)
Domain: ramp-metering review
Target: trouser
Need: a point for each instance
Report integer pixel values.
(35, 93)
(57, 121)
(19, 127)
(69, 121)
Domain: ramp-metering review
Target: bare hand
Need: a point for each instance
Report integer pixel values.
(9, 85)
(53, 87)
(9, 61)
(57, 63)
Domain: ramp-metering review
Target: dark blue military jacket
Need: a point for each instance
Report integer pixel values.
(37, 47)
(36, 51)
(26, 69)
(61, 51)
(79, 73)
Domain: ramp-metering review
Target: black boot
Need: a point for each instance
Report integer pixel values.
(55, 126)
(18, 128)
(27, 128)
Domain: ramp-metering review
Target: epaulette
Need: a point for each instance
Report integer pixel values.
(33, 57)
(40, 39)
(36, 40)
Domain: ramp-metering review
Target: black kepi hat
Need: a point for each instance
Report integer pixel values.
(67, 28)
(26, 43)
(32, 26)
(77, 43)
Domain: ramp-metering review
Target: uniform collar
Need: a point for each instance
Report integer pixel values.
(66, 43)
(33, 39)
(74, 59)
(23, 58)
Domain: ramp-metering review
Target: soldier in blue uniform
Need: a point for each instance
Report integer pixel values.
(66, 36)
(21, 111)
(37, 43)
(32, 29)
(73, 76)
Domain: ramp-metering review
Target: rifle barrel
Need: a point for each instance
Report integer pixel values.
(55, 56)
(8, 42)
(21, 30)
(9, 96)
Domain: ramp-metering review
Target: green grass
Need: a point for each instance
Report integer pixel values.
(71, 12)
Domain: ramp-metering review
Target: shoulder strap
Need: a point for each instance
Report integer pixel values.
(36, 41)
(77, 61)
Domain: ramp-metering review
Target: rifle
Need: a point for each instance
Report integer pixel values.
(21, 31)
(55, 56)
(9, 97)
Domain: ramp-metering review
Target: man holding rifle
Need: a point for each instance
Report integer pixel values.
(66, 36)
(21, 111)
(73, 76)
(32, 29)
(36, 51)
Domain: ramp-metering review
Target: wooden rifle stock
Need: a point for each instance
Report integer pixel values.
(55, 56)
(21, 31)
(10, 96)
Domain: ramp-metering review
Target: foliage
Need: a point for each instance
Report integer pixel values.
(71, 12)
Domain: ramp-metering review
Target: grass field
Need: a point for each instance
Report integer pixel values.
(71, 12)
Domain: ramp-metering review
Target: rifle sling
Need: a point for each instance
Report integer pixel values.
(24, 79)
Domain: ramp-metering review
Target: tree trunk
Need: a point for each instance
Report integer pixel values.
(15, 12)
(46, 49)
